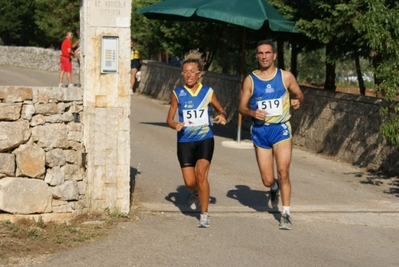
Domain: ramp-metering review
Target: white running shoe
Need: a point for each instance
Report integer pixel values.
(71, 85)
(204, 221)
(285, 222)
(60, 85)
(138, 76)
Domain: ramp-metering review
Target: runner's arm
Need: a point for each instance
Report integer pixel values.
(171, 114)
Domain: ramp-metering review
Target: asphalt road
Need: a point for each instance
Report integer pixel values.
(28, 77)
(342, 215)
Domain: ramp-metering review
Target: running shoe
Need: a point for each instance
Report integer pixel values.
(138, 76)
(204, 221)
(193, 202)
(285, 222)
(273, 193)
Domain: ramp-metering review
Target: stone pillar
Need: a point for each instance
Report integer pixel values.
(106, 80)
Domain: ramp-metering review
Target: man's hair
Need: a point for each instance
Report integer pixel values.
(266, 42)
(194, 56)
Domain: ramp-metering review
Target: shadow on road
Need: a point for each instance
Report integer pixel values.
(377, 178)
(254, 199)
(180, 200)
(133, 174)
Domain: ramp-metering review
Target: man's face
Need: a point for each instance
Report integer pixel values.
(265, 56)
(70, 35)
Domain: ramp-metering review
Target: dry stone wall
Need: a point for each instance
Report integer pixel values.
(41, 150)
(33, 58)
(340, 125)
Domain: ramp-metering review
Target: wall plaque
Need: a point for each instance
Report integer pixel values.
(108, 13)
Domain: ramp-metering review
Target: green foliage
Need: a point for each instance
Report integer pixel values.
(216, 40)
(311, 66)
(54, 18)
(17, 25)
(380, 27)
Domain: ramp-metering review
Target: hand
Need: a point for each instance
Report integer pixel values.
(179, 126)
(295, 103)
(260, 114)
(221, 119)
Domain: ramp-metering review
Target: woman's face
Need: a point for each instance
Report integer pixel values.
(191, 74)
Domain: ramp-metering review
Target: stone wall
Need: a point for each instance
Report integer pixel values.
(41, 151)
(33, 58)
(340, 125)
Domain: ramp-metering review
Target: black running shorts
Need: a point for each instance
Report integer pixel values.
(188, 153)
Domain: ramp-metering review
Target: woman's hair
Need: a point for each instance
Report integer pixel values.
(194, 56)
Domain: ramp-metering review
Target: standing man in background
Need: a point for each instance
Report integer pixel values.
(135, 64)
(66, 60)
(265, 97)
(76, 53)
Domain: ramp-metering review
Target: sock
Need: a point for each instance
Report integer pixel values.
(286, 209)
(275, 186)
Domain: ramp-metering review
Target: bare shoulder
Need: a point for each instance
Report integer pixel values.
(287, 75)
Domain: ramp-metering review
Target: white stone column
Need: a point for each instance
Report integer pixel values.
(106, 103)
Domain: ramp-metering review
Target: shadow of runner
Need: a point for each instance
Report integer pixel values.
(254, 199)
(180, 199)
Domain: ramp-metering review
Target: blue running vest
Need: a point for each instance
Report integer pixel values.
(270, 95)
(191, 102)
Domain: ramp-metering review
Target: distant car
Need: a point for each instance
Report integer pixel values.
(353, 78)
(175, 61)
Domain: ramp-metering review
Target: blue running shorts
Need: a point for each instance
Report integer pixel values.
(267, 135)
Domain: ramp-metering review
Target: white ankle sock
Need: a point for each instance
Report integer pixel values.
(286, 209)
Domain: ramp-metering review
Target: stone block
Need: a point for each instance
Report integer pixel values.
(51, 135)
(54, 176)
(10, 111)
(69, 190)
(55, 157)
(28, 111)
(7, 164)
(71, 172)
(46, 109)
(24, 196)
(16, 94)
(12, 134)
(30, 161)
(37, 120)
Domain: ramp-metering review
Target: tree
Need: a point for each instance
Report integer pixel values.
(329, 23)
(17, 25)
(54, 18)
(380, 26)
(213, 39)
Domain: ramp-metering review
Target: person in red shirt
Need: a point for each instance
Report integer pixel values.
(66, 60)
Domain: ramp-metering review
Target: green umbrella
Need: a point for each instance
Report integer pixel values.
(246, 13)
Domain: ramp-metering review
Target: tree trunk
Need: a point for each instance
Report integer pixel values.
(280, 54)
(294, 59)
(362, 88)
(377, 59)
(329, 83)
